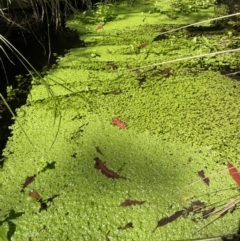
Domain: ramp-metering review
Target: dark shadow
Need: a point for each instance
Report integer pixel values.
(37, 53)
(235, 237)
(11, 225)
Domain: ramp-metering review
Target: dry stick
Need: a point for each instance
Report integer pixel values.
(205, 21)
(200, 180)
(186, 58)
(208, 239)
(221, 211)
(191, 57)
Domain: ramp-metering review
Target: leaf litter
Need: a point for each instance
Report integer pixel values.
(194, 208)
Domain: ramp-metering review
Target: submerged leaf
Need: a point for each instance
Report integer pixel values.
(207, 212)
(167, 71)
(129, 202)
(112, 64)
(205, 179)
(195, 207)
(113, 92)
(140, 46)
(28, 180)
(98, 150)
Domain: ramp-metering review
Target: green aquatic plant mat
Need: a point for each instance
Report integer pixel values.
(87, 204)
(182, 125)
(190, 119)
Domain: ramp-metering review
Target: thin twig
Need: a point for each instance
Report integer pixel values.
(193, 24)
(186, 58)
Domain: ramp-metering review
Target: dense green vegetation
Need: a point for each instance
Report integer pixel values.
(181, 113)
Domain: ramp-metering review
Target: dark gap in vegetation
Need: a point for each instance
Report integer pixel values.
(31, 36)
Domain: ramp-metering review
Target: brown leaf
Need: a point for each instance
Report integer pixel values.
(99, 27)
(205, 179)
(140, 46)
(106, 171)
(34, 195)
(170, 219)
(116, 121)
(129, 202)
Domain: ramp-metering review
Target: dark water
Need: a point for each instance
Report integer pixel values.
(36, 51)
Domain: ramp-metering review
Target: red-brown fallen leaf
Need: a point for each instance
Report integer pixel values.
(140, 46)
(99, 27)
(106, 171)
(116, 121)
(205, 179)
(35, 195)
(129, 202)
(170, 219)
(234, 173)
